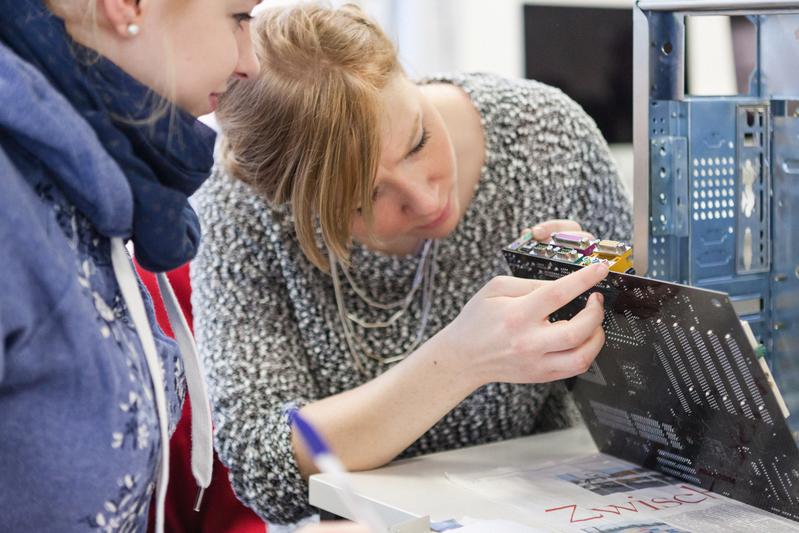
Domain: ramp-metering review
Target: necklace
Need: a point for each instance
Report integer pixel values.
(422, 279)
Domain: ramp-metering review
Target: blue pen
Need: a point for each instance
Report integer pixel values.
(328, 463)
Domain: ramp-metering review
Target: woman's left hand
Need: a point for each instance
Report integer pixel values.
(544, 230)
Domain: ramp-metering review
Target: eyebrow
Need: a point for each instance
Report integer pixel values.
(412, 143)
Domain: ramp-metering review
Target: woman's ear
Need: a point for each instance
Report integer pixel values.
(124, 16)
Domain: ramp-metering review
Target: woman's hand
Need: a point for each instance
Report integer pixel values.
(544, 230)
(503, 334)
(335, 527)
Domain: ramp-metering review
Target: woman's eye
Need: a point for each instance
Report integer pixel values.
(242, 18)
(422, 142)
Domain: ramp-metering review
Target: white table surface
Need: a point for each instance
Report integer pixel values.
(417, 487)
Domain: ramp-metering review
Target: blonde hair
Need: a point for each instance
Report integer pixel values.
(306, 131)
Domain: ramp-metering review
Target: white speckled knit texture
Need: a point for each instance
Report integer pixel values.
(266, 319)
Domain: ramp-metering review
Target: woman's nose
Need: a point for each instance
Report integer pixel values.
(247, 66)
(423, 198)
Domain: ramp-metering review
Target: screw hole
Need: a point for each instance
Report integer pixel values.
(667, 48)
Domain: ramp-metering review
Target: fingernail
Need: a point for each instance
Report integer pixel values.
(600, 267)
(600, 298)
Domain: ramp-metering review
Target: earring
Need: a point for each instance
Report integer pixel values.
(133, 29)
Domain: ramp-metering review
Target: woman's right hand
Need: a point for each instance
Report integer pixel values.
(503, 334)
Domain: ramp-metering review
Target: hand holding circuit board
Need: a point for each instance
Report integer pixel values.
(521, 344)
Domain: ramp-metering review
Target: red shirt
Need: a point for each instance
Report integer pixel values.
(221, 511)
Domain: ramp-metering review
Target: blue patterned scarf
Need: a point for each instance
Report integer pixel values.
(165, 160)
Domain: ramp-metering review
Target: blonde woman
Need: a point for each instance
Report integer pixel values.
(91, 156)
(352, 261)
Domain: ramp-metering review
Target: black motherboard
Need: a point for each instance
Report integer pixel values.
(678, 386)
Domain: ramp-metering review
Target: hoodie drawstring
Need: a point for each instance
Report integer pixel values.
(202, 449)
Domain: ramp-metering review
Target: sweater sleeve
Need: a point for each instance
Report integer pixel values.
(558, 411)
(249, 343)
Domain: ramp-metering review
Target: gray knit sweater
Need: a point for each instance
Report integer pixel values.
(266, 319)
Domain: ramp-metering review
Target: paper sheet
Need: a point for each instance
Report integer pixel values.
(495, 526)
(602, 494)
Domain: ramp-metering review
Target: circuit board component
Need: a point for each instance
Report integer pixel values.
(579, 249)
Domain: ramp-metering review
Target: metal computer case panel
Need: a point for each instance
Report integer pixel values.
(716, 183)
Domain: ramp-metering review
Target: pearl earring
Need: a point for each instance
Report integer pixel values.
(133, 29)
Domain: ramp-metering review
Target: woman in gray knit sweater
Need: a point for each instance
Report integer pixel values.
(351, 260)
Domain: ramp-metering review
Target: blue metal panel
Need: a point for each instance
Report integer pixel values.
(754, 202)
(667, 33)
(724, 185)
(785, 257)
(669, 202)
(779, 54)
(712, 152)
